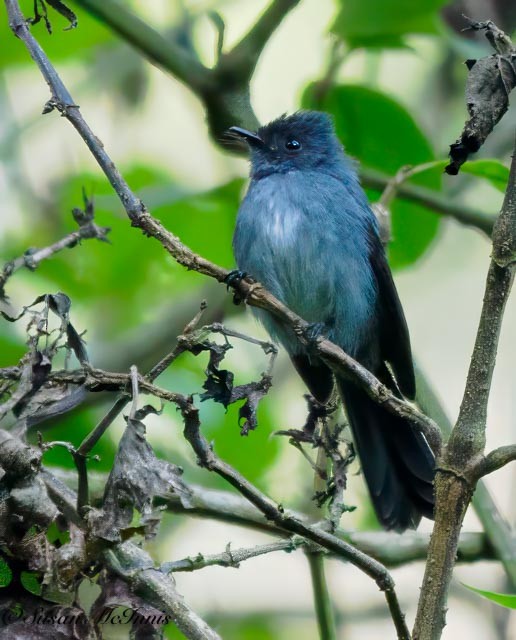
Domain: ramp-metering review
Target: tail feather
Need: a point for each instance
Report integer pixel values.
(397, 463)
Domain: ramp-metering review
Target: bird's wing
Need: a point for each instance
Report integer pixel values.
(394, 336)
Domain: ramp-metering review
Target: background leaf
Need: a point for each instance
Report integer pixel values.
(381, 134)
(492, 170)
(6, 574)
(382, 23)
(489, 169)
(503, 599)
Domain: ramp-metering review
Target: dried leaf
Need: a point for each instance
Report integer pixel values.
(490, 81)
(136, 478)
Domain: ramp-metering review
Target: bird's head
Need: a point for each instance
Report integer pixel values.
(302, 141)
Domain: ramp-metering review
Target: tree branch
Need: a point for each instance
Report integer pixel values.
(434, 201)
(495, 460)
(240, 62)
(500, 537)
(164, 52)
(455, 479)
(224, 90)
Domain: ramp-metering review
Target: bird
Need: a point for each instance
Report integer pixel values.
(306, 232)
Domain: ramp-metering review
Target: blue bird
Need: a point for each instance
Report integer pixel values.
(305, 230)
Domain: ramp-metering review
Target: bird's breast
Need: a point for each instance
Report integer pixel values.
(281, 224)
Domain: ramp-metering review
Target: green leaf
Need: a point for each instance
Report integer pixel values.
(383, 23)
(6, 575)
(12, 347)
(492, 170)
(503, 599)
(489, 169)
(382, 135)
(31, 581)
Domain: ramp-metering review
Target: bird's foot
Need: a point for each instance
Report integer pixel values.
(316, 330)
(232, 279)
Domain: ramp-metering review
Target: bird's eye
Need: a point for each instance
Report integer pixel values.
(292, 145)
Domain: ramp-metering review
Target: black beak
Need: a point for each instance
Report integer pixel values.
(251, 138)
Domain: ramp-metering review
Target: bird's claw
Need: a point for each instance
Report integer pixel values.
(315, 330)
(233, 277)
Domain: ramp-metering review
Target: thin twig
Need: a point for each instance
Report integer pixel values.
(231, 557)
(322, 599)
(33, 257)
(434, 201)
(495, 460)
(92, 438)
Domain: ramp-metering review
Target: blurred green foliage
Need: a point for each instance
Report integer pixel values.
(60, 45)
(384, 23)
(506, 600)
(6, 574)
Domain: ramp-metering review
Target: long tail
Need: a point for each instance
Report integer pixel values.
(397, 463)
